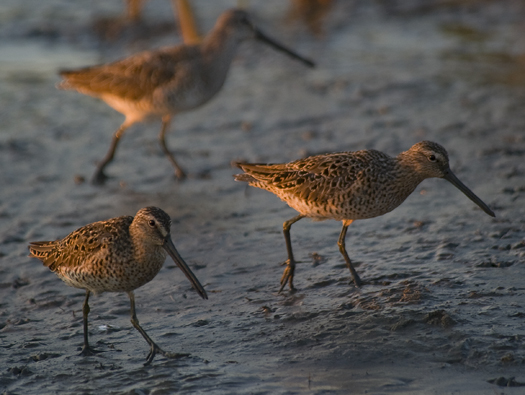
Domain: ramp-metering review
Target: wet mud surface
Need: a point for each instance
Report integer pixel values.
(442, 310)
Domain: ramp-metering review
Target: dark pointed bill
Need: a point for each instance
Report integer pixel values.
(450, 177)
(170, 248)
(263, 37)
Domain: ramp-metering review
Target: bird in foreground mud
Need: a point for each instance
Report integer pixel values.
(117, 255)
(164, 82)
(348, 186)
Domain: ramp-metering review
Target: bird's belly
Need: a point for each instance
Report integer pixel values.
(314, 210)
(136, 110)
(98, 280)
(350, 209)
(185, 100)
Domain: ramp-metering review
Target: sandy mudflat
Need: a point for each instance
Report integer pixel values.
(443, 307)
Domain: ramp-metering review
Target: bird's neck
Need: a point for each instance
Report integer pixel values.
(219, 48)
(146, 251)
(407, 172)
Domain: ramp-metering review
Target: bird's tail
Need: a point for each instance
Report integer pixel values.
(242, 177)
(40, 250)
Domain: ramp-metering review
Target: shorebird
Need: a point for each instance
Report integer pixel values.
(132, 21)
(164, 82)
(117, 255)
(348, 186)
(311, 12)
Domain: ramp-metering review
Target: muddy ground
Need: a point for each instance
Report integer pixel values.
(442, 310)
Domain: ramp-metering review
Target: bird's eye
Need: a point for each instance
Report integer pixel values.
(151, 223)
(432, 158)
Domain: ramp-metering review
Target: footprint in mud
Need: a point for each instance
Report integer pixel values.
(20, 371)
(322, 284)
(503, 382)
(43, 356)
(439, 318)
(293, 300)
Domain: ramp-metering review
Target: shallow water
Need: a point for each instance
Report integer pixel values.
(443, 307)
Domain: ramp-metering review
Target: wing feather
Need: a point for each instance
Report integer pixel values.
(317, 178)
(91, 242)
(137, 76)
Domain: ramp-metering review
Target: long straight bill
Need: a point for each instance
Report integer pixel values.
(450, 177)
(263, 37)
(170, 248)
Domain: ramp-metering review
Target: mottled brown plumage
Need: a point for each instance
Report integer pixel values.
(164, 82)
(117, 255)
(347, 186)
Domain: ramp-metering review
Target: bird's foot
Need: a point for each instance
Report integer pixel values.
(355, 277)
(180, 174)
(288, 274)
(176, 354)
(357, 280)
(99, 178)
(87, 351)
(156, 349)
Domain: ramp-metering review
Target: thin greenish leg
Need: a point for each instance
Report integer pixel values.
(290, 262)
(342, 249)
(100, 177)
(86, 349)
(154, 349)
(179, 173)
